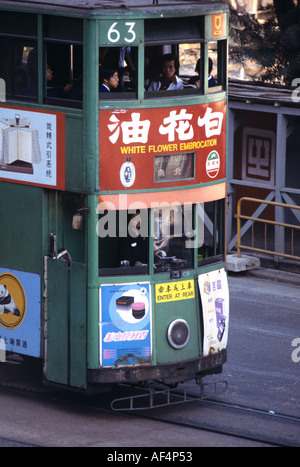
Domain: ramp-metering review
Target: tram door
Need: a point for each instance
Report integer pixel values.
(65, 306)
(66, 323)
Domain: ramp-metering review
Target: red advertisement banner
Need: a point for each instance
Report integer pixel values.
(157, 148)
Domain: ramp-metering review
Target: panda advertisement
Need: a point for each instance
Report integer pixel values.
(20, 312)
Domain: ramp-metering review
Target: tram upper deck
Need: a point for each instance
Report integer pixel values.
(73, 40)
(62, 37)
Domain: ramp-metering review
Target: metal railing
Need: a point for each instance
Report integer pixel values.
(277, 225)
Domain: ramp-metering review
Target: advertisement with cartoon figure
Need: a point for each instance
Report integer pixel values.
(20, 312)
(125, 324)
(213, 287)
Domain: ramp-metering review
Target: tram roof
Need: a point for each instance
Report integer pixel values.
(106, 7)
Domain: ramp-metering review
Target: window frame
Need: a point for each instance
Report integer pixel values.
(217, 247)
(173, 41)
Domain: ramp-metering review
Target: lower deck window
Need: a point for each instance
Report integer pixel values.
(168, 238)
(173, 235)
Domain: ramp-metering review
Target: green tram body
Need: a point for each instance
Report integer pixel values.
(67, 280)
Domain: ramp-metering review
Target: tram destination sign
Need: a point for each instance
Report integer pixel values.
(174, 167)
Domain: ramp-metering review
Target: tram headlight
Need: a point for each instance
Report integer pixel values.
(178, 333)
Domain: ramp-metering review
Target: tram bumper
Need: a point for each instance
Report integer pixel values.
(167, 374)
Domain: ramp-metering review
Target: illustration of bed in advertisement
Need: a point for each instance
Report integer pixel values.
(125, 324)
(32, 147)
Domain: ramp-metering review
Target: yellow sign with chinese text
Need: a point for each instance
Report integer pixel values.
(170, 291)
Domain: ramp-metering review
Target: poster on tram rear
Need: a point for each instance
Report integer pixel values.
(125, 324)
(213, 288)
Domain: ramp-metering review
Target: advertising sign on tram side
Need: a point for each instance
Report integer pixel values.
(145, 148)
(213, 288)
(125, 324)
(32, 147)
(20, 320)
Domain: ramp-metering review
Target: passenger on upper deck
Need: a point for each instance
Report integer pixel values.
(211, 80)
(31, 71)
(52, 90)
(168, 79)
(195, 80)
(119, 58)
(109, 79)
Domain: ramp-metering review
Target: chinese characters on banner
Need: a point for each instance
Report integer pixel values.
(140, 135)
(32, 147)
(170, 291)
(213, 287)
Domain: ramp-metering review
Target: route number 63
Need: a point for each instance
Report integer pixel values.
(114, 35)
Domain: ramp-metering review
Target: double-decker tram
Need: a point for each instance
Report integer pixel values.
(113, 187)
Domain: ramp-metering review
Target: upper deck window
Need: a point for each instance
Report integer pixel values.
(64, 74)
(120, 63)
(176, 59)
(173, 29)
(18, 62)
(60, 59)
(49, 69)
(167, 65)
(57, 28)
(18, 68)
(63, 67)
(18, 25)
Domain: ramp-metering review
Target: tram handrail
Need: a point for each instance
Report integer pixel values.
(240, 216)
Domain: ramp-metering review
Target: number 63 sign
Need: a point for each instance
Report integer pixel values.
(121, 32)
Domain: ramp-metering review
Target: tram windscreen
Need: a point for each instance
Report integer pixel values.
(173, 235)
(166, 238)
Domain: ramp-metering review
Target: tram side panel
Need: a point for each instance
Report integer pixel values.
(42, 300)
(21, 209)
(39, 197)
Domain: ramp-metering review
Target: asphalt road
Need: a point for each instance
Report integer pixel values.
(262, 371)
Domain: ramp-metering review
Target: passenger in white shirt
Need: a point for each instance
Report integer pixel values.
(168, 79)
